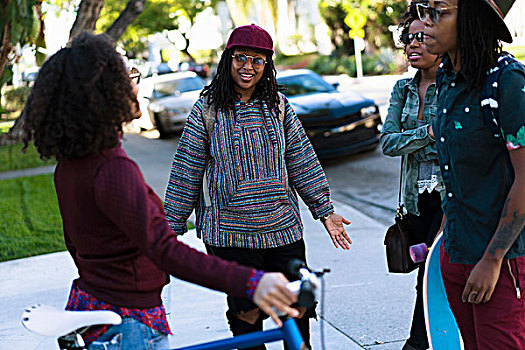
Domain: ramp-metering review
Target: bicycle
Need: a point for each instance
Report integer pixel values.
(68, 326)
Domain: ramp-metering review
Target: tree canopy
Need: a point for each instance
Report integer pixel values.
(158, 15)
(380, 15)
(21, 24)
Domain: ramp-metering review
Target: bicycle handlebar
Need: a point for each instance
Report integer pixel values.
(308, 283)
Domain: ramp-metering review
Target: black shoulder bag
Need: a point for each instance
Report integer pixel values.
(398, 238)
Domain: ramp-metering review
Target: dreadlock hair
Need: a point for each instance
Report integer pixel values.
(477, 41)
(80, 99)
(221, 90)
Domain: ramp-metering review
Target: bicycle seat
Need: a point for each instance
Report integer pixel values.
(49, 321)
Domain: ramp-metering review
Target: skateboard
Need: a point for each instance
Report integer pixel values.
(442, 329)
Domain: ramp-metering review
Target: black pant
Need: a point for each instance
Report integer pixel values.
(425, 227)
(270, 260)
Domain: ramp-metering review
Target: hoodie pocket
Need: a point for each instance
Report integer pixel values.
(258, 177)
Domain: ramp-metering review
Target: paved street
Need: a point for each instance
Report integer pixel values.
(368, 181)
(364, 306)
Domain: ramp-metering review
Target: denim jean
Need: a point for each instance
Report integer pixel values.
(131, 335)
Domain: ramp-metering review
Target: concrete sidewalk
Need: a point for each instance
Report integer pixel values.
(364, 306)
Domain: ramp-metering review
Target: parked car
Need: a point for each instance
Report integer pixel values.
(337, 123)
(169, 99)
(159, 69)
(202, 70)
(29, 75)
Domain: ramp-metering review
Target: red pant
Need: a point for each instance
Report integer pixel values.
(498, 324)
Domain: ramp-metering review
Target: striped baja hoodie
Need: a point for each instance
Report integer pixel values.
(255, 165)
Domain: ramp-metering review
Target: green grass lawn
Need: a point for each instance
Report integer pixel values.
(12, 158)
(30, 222)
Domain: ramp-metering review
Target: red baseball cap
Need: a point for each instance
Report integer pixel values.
(251, 36)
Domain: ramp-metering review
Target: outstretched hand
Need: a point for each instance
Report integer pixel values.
(336, 230)
(271, 293)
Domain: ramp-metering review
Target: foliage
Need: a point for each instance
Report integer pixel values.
(30, 222)
(333, 12)
(331, 65)
(158, 16)
(294, 62)
(380, 15)
(20, 25)
(12, 158)
(385, 61)
(15, 99)
(5, 126)
(517, 51)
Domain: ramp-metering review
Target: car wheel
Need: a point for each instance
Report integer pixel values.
(163, 134)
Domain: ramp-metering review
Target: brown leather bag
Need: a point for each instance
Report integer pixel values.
(398, 239)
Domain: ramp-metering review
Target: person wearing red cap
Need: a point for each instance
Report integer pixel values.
(114, 225)
(243, 170)
(480, 137)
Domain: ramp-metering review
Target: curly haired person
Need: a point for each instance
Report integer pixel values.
(114, 225)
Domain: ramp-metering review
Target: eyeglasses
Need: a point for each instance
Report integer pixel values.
(407, 38)
(242, 59)
(134, 75)
(432, 12)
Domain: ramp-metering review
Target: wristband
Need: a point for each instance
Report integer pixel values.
(324, 218)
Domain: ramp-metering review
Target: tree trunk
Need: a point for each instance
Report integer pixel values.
(5, 47)
(133, 9)
(87, 16)
(185, 51)
(14, 135)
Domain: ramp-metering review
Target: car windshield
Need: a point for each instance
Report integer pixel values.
(304, 84)
(177, 87)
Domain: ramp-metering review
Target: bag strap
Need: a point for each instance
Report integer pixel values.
(209, 114)
(490, 94)
(400, 182)
(400, 206)
(282, 107)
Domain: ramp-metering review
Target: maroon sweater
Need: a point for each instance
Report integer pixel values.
(116, 232)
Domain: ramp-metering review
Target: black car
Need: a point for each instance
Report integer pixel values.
(337, 123)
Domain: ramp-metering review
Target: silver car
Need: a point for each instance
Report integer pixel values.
(169, 99)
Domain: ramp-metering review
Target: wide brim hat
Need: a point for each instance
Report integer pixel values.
(251, 36)
(500, 9)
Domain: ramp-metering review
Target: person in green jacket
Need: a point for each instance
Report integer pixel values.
(407, 132)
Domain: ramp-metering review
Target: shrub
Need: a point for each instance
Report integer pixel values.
(327, 65)
(385, 61)
(15, 99)
(294, 62)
